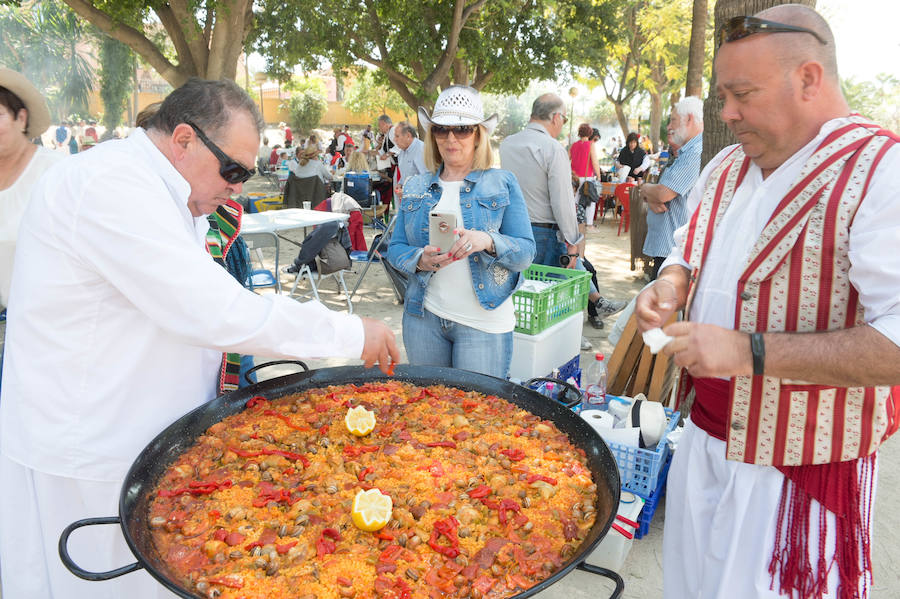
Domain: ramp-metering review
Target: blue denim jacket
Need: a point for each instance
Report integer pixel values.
(490, 201)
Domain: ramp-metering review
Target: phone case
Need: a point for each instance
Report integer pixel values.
(440, 230)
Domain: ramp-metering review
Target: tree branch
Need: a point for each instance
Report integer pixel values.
(134, 39)
(173, 28)
(187, 25)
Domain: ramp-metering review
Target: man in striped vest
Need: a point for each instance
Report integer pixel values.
(788, 272)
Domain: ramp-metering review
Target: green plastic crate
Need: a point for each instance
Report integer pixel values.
(536, 311)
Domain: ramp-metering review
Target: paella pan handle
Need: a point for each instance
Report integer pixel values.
(272, 363)
(620, 584)
(570, 386)
(77, 570)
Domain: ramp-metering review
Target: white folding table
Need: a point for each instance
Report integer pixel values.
(272, 222)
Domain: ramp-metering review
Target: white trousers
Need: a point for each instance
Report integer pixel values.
(720, 524)
(34, 509)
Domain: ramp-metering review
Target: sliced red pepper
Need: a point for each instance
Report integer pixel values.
(214, 515)
(468, 405)
(446, 528)
(507, 505)
(390, 554)
(196, 488)
(282, 549)
(384, 536)
(516, 455)
(362, 473)
(343, 581)
(257, 401)
(323, 430)
(284, 418)
(536, 477)
(390, 369)
(332, 533)
(220, 534)
(324, 546)
(231, 581)
(449, 444)
(480, 491)
(354, 451)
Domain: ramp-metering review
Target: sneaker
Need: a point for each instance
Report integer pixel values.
(595, 321)
(609, 307)
(585, 344)
(290, 270)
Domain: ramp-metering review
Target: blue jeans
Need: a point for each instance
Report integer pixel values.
(434, 341)
(547, 248)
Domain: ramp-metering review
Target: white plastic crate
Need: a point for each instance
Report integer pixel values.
(536, 355)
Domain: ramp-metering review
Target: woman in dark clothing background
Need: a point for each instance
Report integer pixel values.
(632, 156)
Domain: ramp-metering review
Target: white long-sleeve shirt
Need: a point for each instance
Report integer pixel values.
(874, 238)
(118, 315)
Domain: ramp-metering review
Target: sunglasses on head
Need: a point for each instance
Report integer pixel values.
(741, 27)
(229, 169)
(459, 131)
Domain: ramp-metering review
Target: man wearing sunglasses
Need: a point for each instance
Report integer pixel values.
(790, 270)
(118, 321)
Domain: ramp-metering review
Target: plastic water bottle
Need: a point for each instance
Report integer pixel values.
(595, 385)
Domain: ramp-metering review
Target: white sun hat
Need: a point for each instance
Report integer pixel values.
(457, 105)
(38, 114)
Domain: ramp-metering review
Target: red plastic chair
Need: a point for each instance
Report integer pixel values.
(623, 197)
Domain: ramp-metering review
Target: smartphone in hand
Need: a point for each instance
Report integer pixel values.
(440, 230)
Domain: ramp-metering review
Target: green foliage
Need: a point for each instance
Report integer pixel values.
(878, 100)
(117, 63)
(371, 95)
(44, 41)
(307, 105)
(513, 112)
(497, 45)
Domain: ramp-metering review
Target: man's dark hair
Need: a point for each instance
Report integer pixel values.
(208, 104)
(12, 102)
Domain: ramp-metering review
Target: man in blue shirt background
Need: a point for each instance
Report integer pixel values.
(667, 200)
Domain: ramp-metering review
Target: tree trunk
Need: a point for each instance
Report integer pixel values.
(697, 50)
(655, 119)
(210, 54)
(715, 134)
(620, 116)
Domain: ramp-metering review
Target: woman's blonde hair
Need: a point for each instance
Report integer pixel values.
(358, 162)
(305, 155)
(483, 158)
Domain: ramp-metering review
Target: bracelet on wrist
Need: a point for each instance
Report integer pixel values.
(758, 351)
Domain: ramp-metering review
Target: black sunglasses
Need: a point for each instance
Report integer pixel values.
(229, 168)
(459, 132)
(741, 27)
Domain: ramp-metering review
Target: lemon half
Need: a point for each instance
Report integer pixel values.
(371, 510)
(360, 421)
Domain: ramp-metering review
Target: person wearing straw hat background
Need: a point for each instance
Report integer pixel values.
(458, 309)
(23, 117)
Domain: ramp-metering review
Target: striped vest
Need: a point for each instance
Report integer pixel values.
(796, 280)
(224, 226)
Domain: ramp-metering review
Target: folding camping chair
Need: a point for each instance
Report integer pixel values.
(260, 276)
(378, 254)
(262, 167)
(359, 187)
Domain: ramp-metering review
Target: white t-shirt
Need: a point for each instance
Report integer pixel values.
(450, 293)
(13, 201)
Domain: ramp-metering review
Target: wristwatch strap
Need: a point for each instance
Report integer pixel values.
(758, 349)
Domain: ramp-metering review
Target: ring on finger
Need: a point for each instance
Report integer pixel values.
(468, 247)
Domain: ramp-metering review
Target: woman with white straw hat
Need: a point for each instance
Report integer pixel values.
(458, 307)
(23, 116)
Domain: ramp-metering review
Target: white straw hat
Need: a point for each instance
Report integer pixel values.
(457, 105)
(38, 113)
